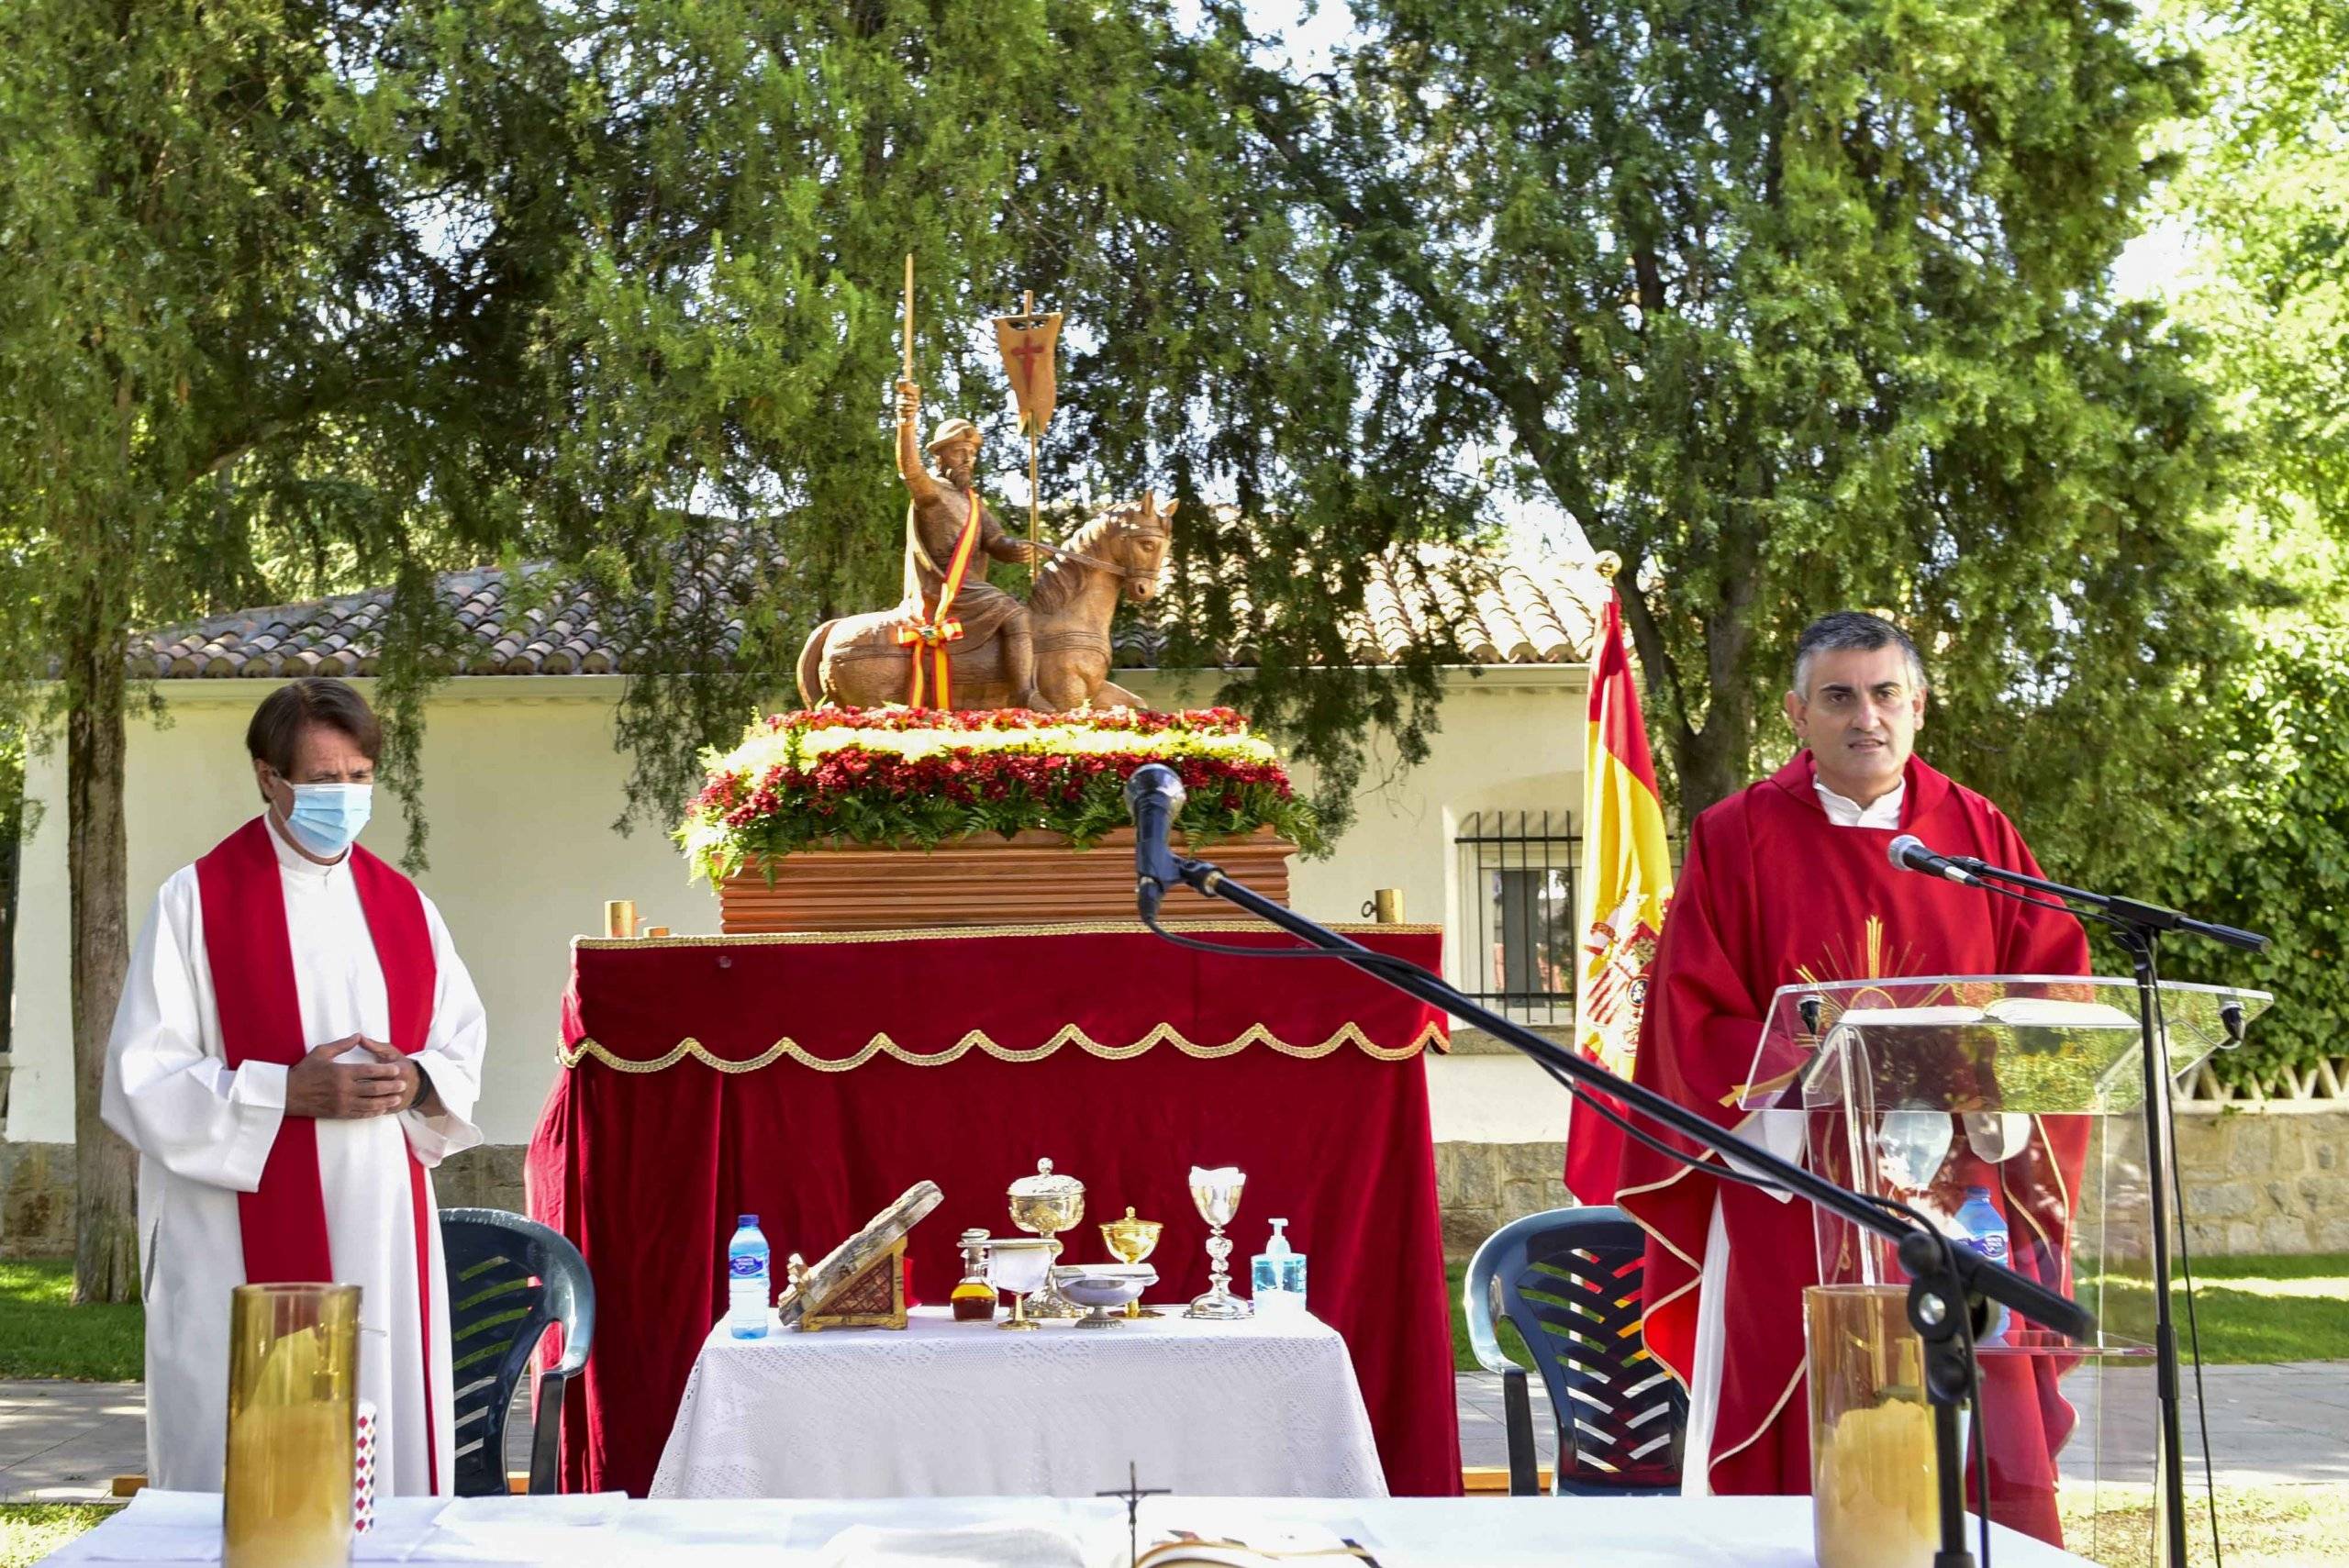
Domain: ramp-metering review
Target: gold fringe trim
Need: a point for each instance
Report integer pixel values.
(882, 1045)
(936, 933)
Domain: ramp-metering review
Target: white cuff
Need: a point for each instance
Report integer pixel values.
(435, 1138)
(260, 1084)
(257, 1091)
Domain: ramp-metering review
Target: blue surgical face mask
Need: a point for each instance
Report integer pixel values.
(326, 817)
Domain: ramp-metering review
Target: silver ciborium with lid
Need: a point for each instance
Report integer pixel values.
(1045, 1204)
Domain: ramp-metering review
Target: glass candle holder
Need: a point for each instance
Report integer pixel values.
(293, 1402)
(1873, 1476)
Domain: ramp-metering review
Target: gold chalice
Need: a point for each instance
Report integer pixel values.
(1045, 1204)
(1130, 1240)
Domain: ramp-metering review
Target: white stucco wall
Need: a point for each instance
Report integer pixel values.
(521, 786)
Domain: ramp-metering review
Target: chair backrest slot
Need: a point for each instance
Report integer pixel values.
(1570, 1283)
(510, 1280)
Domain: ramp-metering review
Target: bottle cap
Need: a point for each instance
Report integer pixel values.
(747, 1221)
(1977, 1191)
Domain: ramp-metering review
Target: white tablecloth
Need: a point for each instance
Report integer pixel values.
(1265, 1407)
(1404, 1532)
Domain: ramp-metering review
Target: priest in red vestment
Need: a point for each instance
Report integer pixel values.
(297, 1045)
(1785, 883)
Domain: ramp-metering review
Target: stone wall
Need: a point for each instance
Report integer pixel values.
(2255, 1182)
(37, 1192)
(2266, 1180)
(1482, 1186)
(36, 1199)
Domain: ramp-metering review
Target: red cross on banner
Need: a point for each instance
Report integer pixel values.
(1027, 342)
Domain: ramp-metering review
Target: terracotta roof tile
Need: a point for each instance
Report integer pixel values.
(1510, 611)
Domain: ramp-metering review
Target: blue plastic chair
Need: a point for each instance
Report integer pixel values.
(510, 1280)
(1569, 1281)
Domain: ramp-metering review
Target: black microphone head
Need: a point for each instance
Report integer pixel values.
(1155, 778)
(1905, 851)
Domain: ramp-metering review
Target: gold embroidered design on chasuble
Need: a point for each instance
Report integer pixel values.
(1871, 962)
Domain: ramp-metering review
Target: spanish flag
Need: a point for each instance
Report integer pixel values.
(1626, 886)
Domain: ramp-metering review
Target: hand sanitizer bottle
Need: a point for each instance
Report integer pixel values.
(1277, 1274)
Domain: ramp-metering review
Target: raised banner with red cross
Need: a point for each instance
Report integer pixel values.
(1028, 343)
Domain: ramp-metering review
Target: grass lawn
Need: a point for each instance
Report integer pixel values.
(43, 1334)
(2251, 1310)
(30, 1532)
(2263, 1309)
(2260, 1526)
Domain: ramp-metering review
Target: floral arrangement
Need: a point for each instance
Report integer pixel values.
(906, 777)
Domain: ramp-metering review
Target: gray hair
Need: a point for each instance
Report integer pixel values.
(1852, 630)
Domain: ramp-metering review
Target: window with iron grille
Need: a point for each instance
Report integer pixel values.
(1519, 938)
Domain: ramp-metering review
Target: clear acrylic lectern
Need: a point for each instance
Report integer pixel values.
(2032, 1087)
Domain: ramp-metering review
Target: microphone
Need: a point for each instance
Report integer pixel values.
(1153, 798)
(1908, 853)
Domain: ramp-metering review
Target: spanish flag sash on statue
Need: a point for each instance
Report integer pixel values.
(1626, 886)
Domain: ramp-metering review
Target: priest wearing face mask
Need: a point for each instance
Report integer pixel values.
(1785, 883)
(297, 1045)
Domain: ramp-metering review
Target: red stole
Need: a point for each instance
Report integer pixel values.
(1772, 894)
(251, 957)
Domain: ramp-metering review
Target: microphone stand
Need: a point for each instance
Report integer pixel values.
(2138, 927)
(1942, 1277)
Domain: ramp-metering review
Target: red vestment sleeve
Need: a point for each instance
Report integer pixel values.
(1701, 1018)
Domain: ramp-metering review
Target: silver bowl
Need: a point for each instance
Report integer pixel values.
(1101, 1286)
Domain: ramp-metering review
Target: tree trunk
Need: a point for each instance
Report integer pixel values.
(106, 1256)
(12, 833)
(1711, 764)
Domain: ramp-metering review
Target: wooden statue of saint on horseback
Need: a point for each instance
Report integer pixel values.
(954, 640)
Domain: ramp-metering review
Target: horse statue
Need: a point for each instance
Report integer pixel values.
(1122, 551)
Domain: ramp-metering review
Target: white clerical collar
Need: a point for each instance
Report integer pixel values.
(293, 860)
(1882, 812)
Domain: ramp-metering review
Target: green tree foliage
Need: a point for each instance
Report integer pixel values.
(2262, 200)
(2265, 197)
(2269, 851)
(747, 177)
(232, 339)
(1796, 306)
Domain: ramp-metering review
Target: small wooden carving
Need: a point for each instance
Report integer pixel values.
(861, 1283)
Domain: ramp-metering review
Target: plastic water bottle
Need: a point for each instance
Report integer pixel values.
(746, 1281)
(1981, 1227)
(1277, 1274)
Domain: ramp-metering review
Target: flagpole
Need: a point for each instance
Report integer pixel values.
(1035, 529)
(908, 351)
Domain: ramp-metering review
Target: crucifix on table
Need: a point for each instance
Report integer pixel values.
(1133, 1494)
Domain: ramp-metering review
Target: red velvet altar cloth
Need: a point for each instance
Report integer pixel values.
(810, 1080)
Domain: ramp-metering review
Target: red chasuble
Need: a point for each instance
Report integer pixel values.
(284, 1222)
(1772, 894)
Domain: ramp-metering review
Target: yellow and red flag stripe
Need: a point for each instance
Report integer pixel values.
(939, 629)
(1626, 887)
